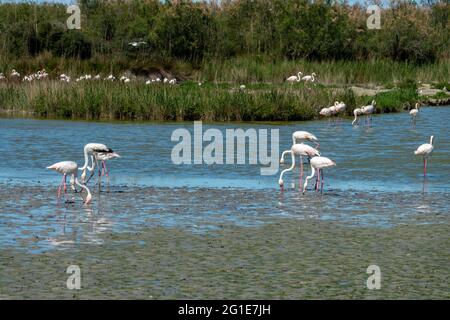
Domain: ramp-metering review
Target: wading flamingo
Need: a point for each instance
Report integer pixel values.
(299, 149)
(103, 157)
(295, 78)
(301, 136)
(69, 168)
(92, 149)
(414, 113)
(309, 78)
(318, 163)
(425, 151)
(357, 112)
(369, 110)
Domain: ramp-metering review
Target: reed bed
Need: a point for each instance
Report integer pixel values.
(96, 100)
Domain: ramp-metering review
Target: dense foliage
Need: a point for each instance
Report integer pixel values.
(192, 31)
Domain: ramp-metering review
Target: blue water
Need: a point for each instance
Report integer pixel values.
(377, 157)
(378, 181)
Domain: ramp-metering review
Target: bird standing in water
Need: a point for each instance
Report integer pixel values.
(425, 151)
(318, 163)
(69, 168)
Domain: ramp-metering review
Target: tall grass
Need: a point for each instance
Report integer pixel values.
(376, 72)
(188, 101)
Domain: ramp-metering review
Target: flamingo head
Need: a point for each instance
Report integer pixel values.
(281, 182)
(115, 155)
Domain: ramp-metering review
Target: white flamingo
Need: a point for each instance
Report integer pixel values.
(318, 163)
(356, 112)
(103, 157)
(92, 149)
(369, 110)
(301, 136)
(69, 168)
(340, 107)
(296, 78)
(309, 78)
(425, 151)
(15, 74)
(299, 149)
(414, 112)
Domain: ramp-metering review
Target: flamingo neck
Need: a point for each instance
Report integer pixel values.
(282, 155)
(431, 140)
(291, 167)
(83, 186)
(313, 172)
(86, 160)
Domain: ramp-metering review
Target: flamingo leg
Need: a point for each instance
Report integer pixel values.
(65, 184)
(321, 189)
(301, 171)
(424, 166)
(106, 172)
(60, 187)
(317, 180)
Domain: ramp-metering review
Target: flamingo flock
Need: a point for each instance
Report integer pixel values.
(43, 75)
(93, 152)
(316, 161)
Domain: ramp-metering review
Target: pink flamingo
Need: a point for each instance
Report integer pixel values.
(69, 168)
(318, 163)
(425, 151)
(301, 150)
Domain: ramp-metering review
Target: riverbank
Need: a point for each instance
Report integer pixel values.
(97, 100)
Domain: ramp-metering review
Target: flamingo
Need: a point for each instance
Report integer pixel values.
(103, 157)
(304, 136)
(173, 81)
(301, 150)
(242, 87)
(15, 74)
(309, 78)
(369, 110)
(325, 112)
(414, 113)
(318, 163)
(295, 78)
(92, 149)
(69, 168)
(300, 136)
(357, 112)
(340, 106)
(425, 151)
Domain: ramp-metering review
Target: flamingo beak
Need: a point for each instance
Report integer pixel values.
(116, 155)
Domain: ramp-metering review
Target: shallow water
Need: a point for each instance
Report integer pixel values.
(377, 188)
